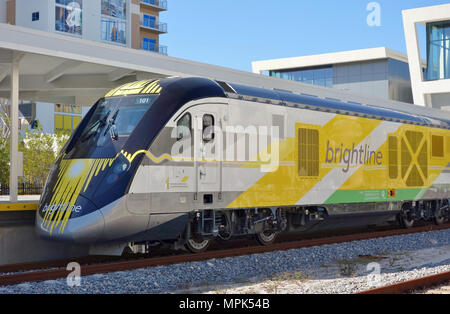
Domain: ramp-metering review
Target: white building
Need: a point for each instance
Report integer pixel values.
(376, 72)
(432, 87)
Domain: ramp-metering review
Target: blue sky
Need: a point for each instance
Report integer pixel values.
(233, 33)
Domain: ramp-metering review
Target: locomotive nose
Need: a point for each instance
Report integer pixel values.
(79, 227)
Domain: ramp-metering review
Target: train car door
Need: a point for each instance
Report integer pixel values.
(208, 148)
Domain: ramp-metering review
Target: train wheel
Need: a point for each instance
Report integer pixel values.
(405, 218)
(441, 214)
(197, 245)
(266, 238)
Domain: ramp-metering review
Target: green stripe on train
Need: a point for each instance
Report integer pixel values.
(368, 196)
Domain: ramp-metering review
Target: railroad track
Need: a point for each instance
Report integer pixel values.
(412, 285)
(91, 269)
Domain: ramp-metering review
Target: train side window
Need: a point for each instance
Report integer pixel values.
(308, 152)
(437, 146)
(393, 157)
(184, 126)
(208, 128)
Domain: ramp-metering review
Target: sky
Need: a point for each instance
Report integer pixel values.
(233, 33)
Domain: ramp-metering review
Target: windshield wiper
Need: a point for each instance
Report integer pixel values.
(112, 126)
(89, 133)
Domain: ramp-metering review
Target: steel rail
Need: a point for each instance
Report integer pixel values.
(411, 285)
(86, 270)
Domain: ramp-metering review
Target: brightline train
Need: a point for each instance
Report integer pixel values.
(186, 161)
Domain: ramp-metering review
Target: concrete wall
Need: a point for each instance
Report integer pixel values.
(364, 78)
(19, 244)
(92, 20)
(25, 9)
(388, 79)
(45, 113)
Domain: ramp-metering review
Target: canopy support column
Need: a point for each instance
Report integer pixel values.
(14, 114)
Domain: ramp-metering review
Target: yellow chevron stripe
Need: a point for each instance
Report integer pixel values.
(135, 88)
(74, 176)
(149, 87)
(284, 186)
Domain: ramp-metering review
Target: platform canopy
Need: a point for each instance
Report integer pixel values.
(48, 67)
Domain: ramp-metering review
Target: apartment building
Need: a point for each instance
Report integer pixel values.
(131, 23)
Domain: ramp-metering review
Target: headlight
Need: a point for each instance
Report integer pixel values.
(120, 166)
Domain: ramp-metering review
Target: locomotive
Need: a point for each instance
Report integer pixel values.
(189, 160)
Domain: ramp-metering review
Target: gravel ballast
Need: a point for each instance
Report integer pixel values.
(336, 268)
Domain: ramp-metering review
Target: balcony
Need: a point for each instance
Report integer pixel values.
(158, 4)
(154, 26)
(155, 48)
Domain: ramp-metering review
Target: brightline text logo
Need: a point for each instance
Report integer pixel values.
(357, 155)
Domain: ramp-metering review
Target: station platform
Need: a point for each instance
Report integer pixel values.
(21, 212)
(25, 203)
(18, 240)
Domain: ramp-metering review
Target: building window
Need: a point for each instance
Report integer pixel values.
(67, 117)
(114, 21)
(148, 21)
(35, 16)
(148, 44)
(68, 16)
(438, 51)
(322, 76)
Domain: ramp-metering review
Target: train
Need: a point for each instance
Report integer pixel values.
(187, 161)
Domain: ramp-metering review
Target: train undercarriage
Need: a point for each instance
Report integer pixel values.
(264, 224)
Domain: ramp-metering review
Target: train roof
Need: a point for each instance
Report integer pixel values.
(290, 99)
(186, 89)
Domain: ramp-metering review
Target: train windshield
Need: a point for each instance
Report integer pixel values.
(109, 127)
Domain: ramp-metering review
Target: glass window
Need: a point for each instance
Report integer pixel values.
(322, 76)
(114, 21)
(68, 16)
(113, 30)
(438, 50)
(58, 108)
(35, 16)
(184, 126)
(77, 109)
(114, 8)
(68, 108)
(110, 125)
(208, 128)
(149, 21)
(148, 44)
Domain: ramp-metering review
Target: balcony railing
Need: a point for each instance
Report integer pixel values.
(160, 4)
(155, 48)
(160, 27)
